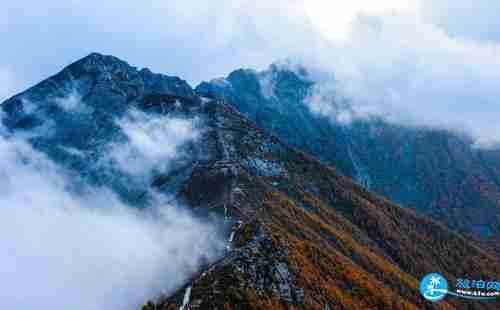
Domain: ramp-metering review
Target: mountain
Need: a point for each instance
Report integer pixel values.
(306, 237)
(436, 172)
(74, 117)
(300, 235)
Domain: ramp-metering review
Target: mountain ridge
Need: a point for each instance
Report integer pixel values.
(299, 234)
(437, 172)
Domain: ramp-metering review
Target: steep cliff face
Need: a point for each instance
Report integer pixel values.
(434, 172)
(300, 235)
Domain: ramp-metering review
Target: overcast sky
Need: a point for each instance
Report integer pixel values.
(418, 59)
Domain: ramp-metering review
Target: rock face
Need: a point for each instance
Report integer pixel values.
(300, 234)
(74, 117)
(434, 172)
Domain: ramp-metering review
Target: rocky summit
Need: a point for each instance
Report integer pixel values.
(73, 117)
(300, 233)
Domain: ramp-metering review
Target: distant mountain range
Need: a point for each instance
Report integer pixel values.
(436, 172)
(301, 234)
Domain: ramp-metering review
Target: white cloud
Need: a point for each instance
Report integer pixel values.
(72, 103)
(61, 250)
(411, 72)
(152, 141)
(333, 18)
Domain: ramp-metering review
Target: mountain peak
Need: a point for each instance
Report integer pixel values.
(99, 56)
(96, 63)
(106, 78)
(280, 82)
(96, 57)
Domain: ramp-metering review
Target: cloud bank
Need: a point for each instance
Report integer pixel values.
(410, 72)
(61, 250)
